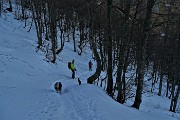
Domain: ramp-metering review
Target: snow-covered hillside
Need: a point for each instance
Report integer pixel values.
(27, 80)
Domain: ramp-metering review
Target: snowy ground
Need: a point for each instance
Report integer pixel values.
(26, 85)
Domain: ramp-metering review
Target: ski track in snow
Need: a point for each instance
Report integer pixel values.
(48, 109)
(81, 106)
(57, 105)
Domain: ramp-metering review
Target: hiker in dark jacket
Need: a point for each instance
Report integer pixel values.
(69, 65)
(90, 65)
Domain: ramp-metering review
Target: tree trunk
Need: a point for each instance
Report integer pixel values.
(142, 54)
(164, 46)
(92, 78)
(35, 14)
(1, 7)
(160, 81)
(172, 94)
(53, 30)
(119, 81)
(109, 39)
(174, 99)
(74, 36)
(124, 51)
(61, 36)
(10, 6)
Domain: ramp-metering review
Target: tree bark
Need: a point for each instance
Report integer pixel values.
(175, 97)
(142, 54)
(109, 39)
(1, 7)
(92, 78)
(74, 36)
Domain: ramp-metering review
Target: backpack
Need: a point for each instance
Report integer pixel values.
(69, 65)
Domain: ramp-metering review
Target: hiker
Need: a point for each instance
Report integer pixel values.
(69, 65)
(73, 69)
(90, 65)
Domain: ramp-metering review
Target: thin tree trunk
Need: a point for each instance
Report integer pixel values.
(161, 81)
(163, 51)
(10, 6)
(1, 7)
(174, 99)
(124, 53)
(109, 39)
(119, 81)
(36, 22)
(74, 36)
(172, 94)
(53, 25)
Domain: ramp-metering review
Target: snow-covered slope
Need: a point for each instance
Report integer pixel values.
(26, 84)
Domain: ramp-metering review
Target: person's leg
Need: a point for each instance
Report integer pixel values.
(73, 74)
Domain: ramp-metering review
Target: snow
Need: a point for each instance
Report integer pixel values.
(27, 80)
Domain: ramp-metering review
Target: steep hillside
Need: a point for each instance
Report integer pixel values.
(27, 80)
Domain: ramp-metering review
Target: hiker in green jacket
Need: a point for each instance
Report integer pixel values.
(73, 69)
